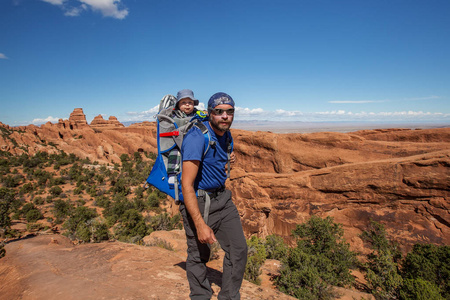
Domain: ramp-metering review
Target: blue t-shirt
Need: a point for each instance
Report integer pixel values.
(211, 173)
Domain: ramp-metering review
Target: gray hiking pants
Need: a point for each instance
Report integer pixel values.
(225, 221)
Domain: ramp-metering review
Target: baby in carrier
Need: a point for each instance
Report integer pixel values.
(184, 109)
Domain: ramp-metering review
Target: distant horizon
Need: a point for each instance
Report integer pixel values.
(307, 126)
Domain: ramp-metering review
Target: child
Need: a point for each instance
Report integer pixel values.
(184, 111)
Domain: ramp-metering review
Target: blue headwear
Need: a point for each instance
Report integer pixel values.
(218, 99)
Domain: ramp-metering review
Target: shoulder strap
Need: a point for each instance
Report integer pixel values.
(211, 144)
(208, 142)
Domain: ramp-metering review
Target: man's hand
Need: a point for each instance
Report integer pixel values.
(232, 158)
(205, 234)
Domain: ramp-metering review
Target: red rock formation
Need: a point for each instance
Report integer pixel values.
(101, 124)
(400, 178)
(78, 118)
(403, 183)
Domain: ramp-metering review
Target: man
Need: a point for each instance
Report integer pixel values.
(207, 176)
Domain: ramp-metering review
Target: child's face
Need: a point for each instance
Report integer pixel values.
(186, 105)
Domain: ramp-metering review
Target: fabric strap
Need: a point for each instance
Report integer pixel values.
(207, 204)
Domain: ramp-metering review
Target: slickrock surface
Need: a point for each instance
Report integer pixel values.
(51, 267)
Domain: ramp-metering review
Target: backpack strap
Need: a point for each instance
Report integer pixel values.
(208, 142)
(229, 150)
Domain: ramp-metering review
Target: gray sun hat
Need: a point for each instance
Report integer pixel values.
(186, 94)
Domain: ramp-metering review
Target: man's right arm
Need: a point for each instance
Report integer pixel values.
(190, 170)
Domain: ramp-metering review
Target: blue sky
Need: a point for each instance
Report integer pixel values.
(299, 60)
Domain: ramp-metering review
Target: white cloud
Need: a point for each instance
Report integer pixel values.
(147, 115)
(42, 121)
(55, 2)
(423, 98)
(357, 102)
(3, 56)
(74, 11)
(108, 8)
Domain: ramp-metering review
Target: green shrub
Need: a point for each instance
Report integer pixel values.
(301, 278)
(275, 247)
(383, 278)
(61, 210)
(26, 188)
(157, 242)
(153, 200)
(419, 289)
(255, 259)
(165, 222)
(131, 225)
(38, 200)
(55, 191)
(79, 217)
(99, 231)
(12, 181)
(2, 250)
(430, 263)
(7, 197)
(320, 259)
(33, 215)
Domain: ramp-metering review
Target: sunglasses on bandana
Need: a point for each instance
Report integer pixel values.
(219, 111)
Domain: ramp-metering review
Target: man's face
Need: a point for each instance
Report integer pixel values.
(221, 118)
(186, 105)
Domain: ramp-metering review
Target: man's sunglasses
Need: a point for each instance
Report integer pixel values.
(219, 111)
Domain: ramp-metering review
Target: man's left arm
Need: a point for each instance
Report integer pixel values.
(190, 169)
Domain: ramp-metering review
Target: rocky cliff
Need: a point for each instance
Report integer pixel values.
(398, 177)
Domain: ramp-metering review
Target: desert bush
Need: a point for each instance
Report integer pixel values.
(320, 259)
(382, 273)
(131, 225)
(419, 289)
(78, 190)
(33, 215)
(153, 200)
(55, 191)
(256, 256)
(61, 210)
(161, 243)
(275, 247)
(11, 181)
(121, 186)
(26, 188)
(78, 217)
(165, 222)
(57, 181)
(301, 278)
(430, 263)
(2, 250)
(7, 197)
(114, 211)
(102, 201)
(99, 231)
(38, 200)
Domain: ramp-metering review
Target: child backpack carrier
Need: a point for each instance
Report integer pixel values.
(166, 172)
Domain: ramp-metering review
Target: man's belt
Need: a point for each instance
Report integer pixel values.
(213, 193)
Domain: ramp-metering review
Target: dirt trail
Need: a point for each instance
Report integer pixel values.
(51, 267)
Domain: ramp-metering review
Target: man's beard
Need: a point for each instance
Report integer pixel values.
(220, 127)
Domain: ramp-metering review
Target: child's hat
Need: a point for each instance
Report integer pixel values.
(186, 94)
